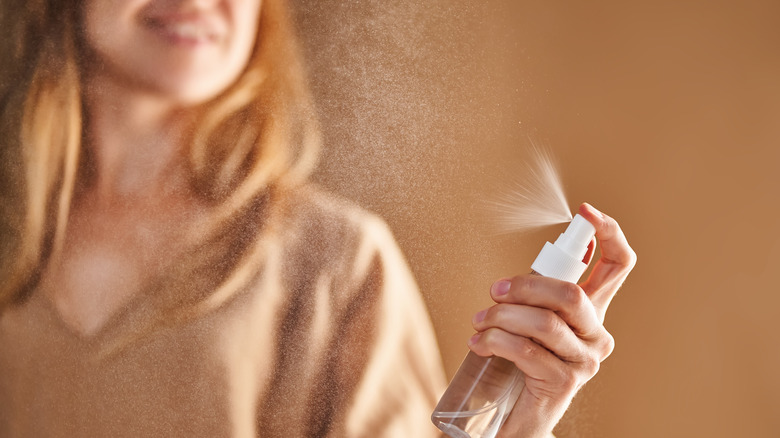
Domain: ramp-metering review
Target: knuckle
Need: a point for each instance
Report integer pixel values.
(608, 345)
(628, 259)
(528, 348)
(591, 366)
(609, 226)
(568, 379)
(572, 376)
(498, 314)
(524, 283)
(632, 258)
(573, 296)
(549, 323)
(490, 337)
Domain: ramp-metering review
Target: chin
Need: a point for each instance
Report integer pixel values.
(189, 98)
(190, 91)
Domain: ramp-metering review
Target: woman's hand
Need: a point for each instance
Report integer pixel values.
(554, 330)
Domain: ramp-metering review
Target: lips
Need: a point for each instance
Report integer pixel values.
(190, 30)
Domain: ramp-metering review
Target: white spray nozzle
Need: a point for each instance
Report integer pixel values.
(575, 240)
(563, 260)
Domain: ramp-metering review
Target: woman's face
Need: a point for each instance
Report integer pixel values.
(187, 51)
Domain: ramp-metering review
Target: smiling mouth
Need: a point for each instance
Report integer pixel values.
(185, 31)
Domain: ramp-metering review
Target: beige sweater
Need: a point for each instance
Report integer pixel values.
(332, 339)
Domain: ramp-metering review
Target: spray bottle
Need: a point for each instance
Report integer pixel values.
(485, 389)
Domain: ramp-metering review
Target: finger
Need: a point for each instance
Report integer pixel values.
(617, 260)
(614, 246)
(566, 299)
(542, 326)
(531, 358)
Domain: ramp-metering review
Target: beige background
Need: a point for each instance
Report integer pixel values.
(664, 114)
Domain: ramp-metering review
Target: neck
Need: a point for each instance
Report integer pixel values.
(136, 140)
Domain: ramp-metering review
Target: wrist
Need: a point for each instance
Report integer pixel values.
(532, 420)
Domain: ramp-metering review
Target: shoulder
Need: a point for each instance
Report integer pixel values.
(322, 231)
(312, 202)
(313, 213)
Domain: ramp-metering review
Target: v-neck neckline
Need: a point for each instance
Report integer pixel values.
(105, 330)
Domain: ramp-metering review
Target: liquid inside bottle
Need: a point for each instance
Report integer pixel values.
(483, 393)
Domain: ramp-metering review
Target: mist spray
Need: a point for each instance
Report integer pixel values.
(484, 389)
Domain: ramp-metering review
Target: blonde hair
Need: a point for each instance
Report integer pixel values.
(253, 143)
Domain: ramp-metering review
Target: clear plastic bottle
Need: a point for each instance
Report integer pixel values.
(484, 390)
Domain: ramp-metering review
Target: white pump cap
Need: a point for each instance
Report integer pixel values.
(563, 260)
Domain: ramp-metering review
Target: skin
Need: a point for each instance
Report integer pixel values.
(151, 62)
(553, 330)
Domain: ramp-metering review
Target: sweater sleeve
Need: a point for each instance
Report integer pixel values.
(355, 354)
(403, 376)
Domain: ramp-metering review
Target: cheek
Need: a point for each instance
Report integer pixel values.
(246, 18)
(106, 23)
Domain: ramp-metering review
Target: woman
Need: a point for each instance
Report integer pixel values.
(169, 272)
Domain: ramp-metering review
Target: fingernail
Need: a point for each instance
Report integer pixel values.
(501, 288)
(473, 340)
(480, 316)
